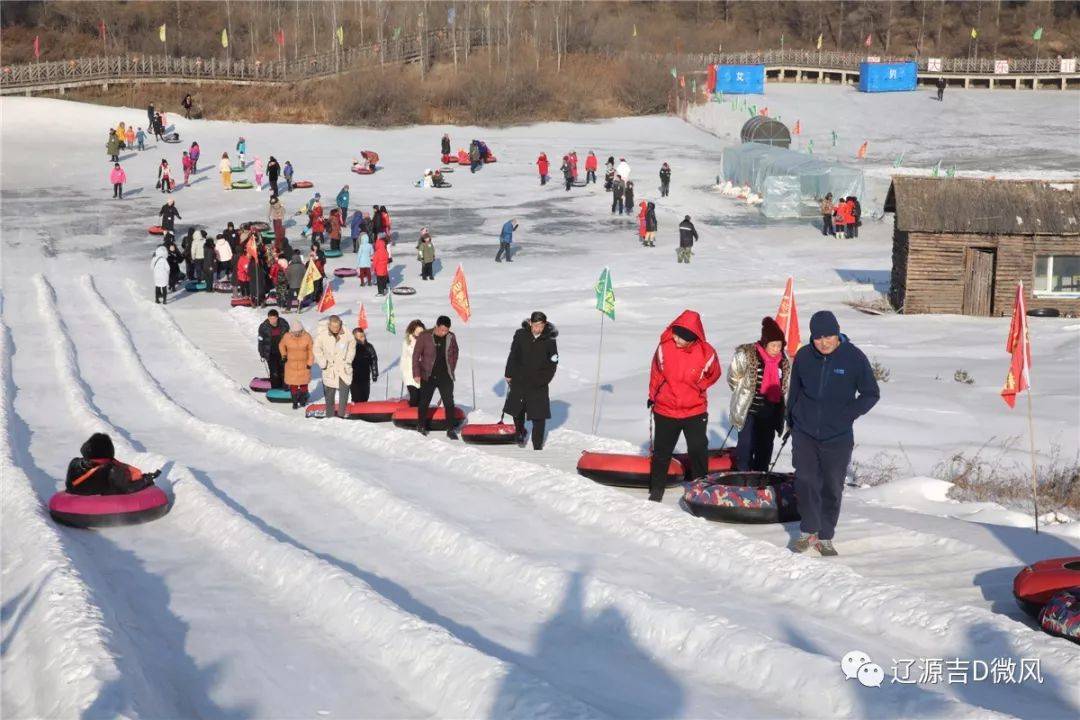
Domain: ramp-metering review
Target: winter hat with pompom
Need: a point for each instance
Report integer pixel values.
(770, 331)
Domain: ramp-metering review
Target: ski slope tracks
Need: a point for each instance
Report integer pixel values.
(342, 569)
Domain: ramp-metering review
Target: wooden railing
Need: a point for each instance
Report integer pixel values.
(61, 73)
(835, 60)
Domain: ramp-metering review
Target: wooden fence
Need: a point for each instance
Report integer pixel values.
(834, 60)
(44, 76)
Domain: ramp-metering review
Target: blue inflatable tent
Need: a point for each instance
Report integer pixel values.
(740, 79)
(887, 77)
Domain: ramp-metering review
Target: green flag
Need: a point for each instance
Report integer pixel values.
(898, 161)
(674, 73)
(951, 172)
(1037, 35)
(834, 136)
(397, 32)
(810, 147)
(937, 170)
(605, 294)
(388, 308)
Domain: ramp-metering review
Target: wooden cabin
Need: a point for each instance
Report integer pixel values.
(960, 245)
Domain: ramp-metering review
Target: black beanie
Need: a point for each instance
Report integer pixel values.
(98, 447)
(443, 320)
(681, 332)
(770, 331)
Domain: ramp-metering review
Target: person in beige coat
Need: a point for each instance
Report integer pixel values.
(334, 352)
(759, 377)
(411, 333)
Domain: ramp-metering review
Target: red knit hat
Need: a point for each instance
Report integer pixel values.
(770, 331)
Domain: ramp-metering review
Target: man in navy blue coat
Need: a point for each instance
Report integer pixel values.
(832, 384)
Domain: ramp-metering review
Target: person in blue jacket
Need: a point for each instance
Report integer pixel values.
(241, 148)
(342, 201)
(506, 236)
(363, 260)
(357, 227)
(287, 173)
(832, 384)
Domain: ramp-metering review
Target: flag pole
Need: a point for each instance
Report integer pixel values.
(596, 388)
(1034, 469)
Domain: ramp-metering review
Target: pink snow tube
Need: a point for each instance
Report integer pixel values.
(108, 510)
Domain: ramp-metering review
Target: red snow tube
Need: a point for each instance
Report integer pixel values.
(345, 272)
(259, 384)
(624, 470)
(303, 184)
(490, 159)
(406, 417)
(448, 159)
(743, 497)
(490, 434)
(156, 230)
(240, 302)
(1036, 584)
(361, 170)
(378, 411)
(86, 511)
(720, 460)
(462, 157)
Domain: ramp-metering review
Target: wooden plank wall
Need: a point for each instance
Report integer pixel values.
(928, 270)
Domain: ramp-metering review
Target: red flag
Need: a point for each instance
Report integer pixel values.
(101, 28)
(869, 40)
(37, 46)
(1019, 345)
(861, 154)
(327, 300)
(459, 295)
(787, 317)
(279, 36)
(710, 83)
(797, 130)
(361, 318)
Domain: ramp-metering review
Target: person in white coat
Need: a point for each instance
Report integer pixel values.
(159, 264)
(623, 170)
(198, 253)
(224, 254)
(411, 333)
(334, 352)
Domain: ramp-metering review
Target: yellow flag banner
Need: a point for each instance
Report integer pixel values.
(340, 36)
(307, 285)
(161, 32)
(224, 38)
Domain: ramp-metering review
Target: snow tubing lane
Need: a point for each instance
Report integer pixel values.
(87, 511)
(489, 434)
(279, 396)
(1037, 583)
(404, 290)
(194, 285)
(345, 272)
(407, 418)
(259, 384)
(622, 470)
(156, 230)
(1061, 616)
(240, 302)
(302, 184)
(743, 497)
(332, 253)
(242, 185)
(720, 460)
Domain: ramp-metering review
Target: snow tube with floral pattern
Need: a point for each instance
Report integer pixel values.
(743, 497)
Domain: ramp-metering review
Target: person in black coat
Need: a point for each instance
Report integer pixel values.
(97, 472)
(530, 368)
(273, 169)
(271, 331)
(445, 144)
(169, 215)
(365, 367)
(174, 258)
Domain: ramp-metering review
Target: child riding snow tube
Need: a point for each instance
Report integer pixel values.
(100, 491)
(368, 165)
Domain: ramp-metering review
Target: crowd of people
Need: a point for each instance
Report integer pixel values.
(842, 218)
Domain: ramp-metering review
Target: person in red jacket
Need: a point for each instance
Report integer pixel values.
(543, 166)
(590, 168)
(380, 264)
(684, 367)
(643, 209)
(573, 165)
(243, 274)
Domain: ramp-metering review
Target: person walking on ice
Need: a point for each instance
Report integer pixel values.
(225, 168)
(506, 238)
(832, 385)
(159, 264)
(530, 368)
(117, 177)
(687, 236)
(434, 361)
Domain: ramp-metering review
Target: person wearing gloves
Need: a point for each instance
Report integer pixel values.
(832, 385)
(334, 352)
(365, 367)
(97, 471)
(271, 332)
(759, 377)
(530, 368)
(684, 367)
(412, 332)
(159, 265)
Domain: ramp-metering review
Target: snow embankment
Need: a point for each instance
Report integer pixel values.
(441, 672)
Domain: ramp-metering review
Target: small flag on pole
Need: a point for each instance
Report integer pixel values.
(810, 146)
(951, 172)
(635, 29)
(340, 36)
(787, 317)
(1037, 35)
(605, 294)
(459, 295)
(1018, 344)
(327, 300)
(937, 170)
(388, 308)
(279, 36)
(974, 33)
(361, 317)
(674, 73)
(225, 38)
(311, 275)
(797, 130)
(37, 46)
(899, 160)
(161, 32)
(861, 153)
(819, 41)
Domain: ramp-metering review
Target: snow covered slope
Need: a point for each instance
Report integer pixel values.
(343, 569)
